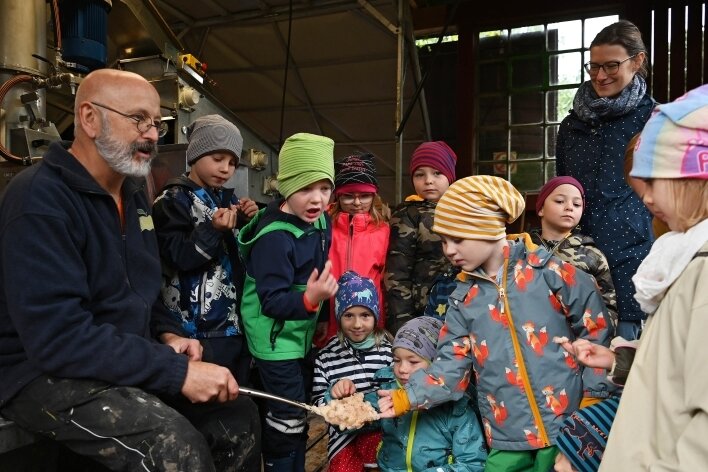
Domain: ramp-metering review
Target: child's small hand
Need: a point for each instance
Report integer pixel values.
(224, 219)
(563, 464)
(386, 404)
(343, 388)
(590, 354)
(248, 207)
(320, 287)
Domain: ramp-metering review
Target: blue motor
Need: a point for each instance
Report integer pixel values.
(84, 33)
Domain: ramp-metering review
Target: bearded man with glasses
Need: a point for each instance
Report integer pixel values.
(79, 282)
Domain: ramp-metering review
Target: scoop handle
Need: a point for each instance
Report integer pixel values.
(257, 393)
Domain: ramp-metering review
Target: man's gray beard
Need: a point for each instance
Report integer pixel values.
(119, 156)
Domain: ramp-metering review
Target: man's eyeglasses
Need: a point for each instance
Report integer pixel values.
(143, 122)
(610, 67)
(349, 198)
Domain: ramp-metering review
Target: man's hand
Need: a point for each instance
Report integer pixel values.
(386, 404)
(192, 347)
(320, 287)
(224, 219)
(248, 207)
(207, 382)
(343, 388)
(590, 354)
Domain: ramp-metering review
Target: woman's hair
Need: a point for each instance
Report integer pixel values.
(624, 33)
(690, 201)
(379, 211)
(379, 335)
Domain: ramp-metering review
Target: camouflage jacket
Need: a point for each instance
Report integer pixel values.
(581, 251)
(414, 260)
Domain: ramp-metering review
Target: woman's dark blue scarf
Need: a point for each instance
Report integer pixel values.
(590, 108)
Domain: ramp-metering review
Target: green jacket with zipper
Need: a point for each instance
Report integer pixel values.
(280, 252)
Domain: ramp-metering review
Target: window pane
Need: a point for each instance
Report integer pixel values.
(565, 35)
(492, 77)
(565, 68)
(493, 110)
(500, 166)
(586, 58)
(594, 25)
(559, 103)
(487, 168)
(493, 44)
(527, 176)
(527, 108)
(529, 39)
(526, 72)
(527, 80)
(527, 142)
(491, 141)
(551, 134)
(550, 170)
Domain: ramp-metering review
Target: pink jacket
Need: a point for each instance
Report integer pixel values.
(360, 245)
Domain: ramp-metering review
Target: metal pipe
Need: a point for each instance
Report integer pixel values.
(398, 195)
(18, 79)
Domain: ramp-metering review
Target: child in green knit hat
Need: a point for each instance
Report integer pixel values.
(285, 248)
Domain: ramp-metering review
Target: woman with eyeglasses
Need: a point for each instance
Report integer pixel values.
(360, 230)
(607, 111)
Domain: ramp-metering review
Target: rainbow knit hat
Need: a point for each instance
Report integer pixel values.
(674, 142)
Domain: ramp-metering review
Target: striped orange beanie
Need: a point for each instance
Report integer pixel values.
(478, 207)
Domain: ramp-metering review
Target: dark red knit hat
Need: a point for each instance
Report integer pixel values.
(435, 154)
(551, 185)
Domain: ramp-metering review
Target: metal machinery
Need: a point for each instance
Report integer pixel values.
(38, 80)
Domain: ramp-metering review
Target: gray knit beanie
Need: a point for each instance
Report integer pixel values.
(419, 335)
(210, 134)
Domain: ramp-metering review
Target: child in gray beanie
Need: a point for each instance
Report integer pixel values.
(195, 220)
(446, 436)
(211, 133)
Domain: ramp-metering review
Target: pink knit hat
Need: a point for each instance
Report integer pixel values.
(435, 154)
(554, 183)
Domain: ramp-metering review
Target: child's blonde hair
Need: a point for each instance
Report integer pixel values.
(690, 201)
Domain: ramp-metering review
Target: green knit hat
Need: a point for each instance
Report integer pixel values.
(304, 159)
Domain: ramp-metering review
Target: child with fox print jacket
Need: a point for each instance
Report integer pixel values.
(512, 305)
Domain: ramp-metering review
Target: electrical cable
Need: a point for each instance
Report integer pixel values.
(57, 24)
(285, 78)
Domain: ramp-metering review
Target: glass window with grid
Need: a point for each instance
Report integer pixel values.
(527, 78)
